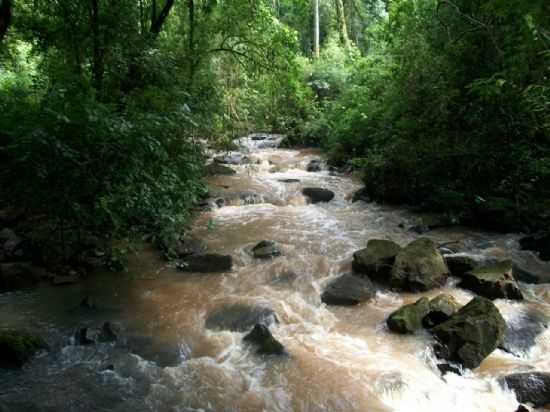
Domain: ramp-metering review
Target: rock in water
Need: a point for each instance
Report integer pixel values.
(348, 290)
(266, 249)
(232, 158)
(215, 169)
(493, 282)
(188, 245)
(377, 259)
(530, 387)
(318, 195)
(17, 347)
(471, 334)
(314, 166)
(264, 340)
(522, 330)
(17, 276)
(539, 243)
(240, 317)
(419, 267)
(361, 195)
(442, 307)
(408, 319)
(459, 265)
(206, 263)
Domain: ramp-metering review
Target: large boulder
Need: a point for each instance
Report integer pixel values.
(18, 276)
(442, 307)
(240, 317)
(206, 263)
(530, 387)
(361, 195)
(470, 335)
(188, 245)
(459, 264)
(348, 290)
(314, 166)
(377, 259)
(318, 195)
(17, 347)
(215, 169)
(538, 243)
(522, 330)
(493, 281)
(419, 267)
(408, 319)
(266, 249)
(265, 342)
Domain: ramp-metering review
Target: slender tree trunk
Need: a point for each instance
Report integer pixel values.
(316, 40)
(159, 21)
(5, 17)
(97, 63)
(191, 44)
(342, 26)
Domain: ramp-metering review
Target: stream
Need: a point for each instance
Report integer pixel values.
(342, 359)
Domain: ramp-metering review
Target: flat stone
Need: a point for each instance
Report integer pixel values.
(493, 282)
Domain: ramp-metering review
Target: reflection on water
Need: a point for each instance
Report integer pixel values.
(342, 359)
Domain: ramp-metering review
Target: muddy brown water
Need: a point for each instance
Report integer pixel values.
(342, 359)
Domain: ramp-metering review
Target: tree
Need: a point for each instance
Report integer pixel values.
(5, 17)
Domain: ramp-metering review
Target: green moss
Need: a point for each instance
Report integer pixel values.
(17, 347)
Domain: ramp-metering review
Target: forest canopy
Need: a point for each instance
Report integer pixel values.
(105, 106)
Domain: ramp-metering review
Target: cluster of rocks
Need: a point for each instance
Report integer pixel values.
(255, 320)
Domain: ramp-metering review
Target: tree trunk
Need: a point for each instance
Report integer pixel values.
(316, 40)
(191, 44)
(5, 17)
(159, 21)
(342, 26)
(97, 60)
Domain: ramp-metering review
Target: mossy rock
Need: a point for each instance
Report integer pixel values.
(216, 169)
(459, 265)
(419, 267)
(471, 334)
(17, 347)
(442, 307)
(493, 282)
(377, 259)
(408, 319)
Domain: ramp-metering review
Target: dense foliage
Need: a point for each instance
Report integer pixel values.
(439, 103)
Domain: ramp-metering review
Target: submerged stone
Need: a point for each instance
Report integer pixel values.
(318, 195)
(240, 317)
(522, 331)
(265, 342)
(348, 290)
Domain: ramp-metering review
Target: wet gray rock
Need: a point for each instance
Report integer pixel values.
(17, 347)
(258, 137)
(446, 368)
(289, 180)
(93, 335)
(206, 263)
(318, 195)
(377, 259)
(266, 249)
(361, 195)
(408, 318)
(471, 334)
(529, 387)
(266, 344)
(539, 243)
(522, 330)
(232, 158)
(459, 265)
(216, 169)
(188, 245)
(240, 317)
(314, 166)
(537, 277)
(163, 353)
(348, 290)
(493, 281)
(419, 267)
